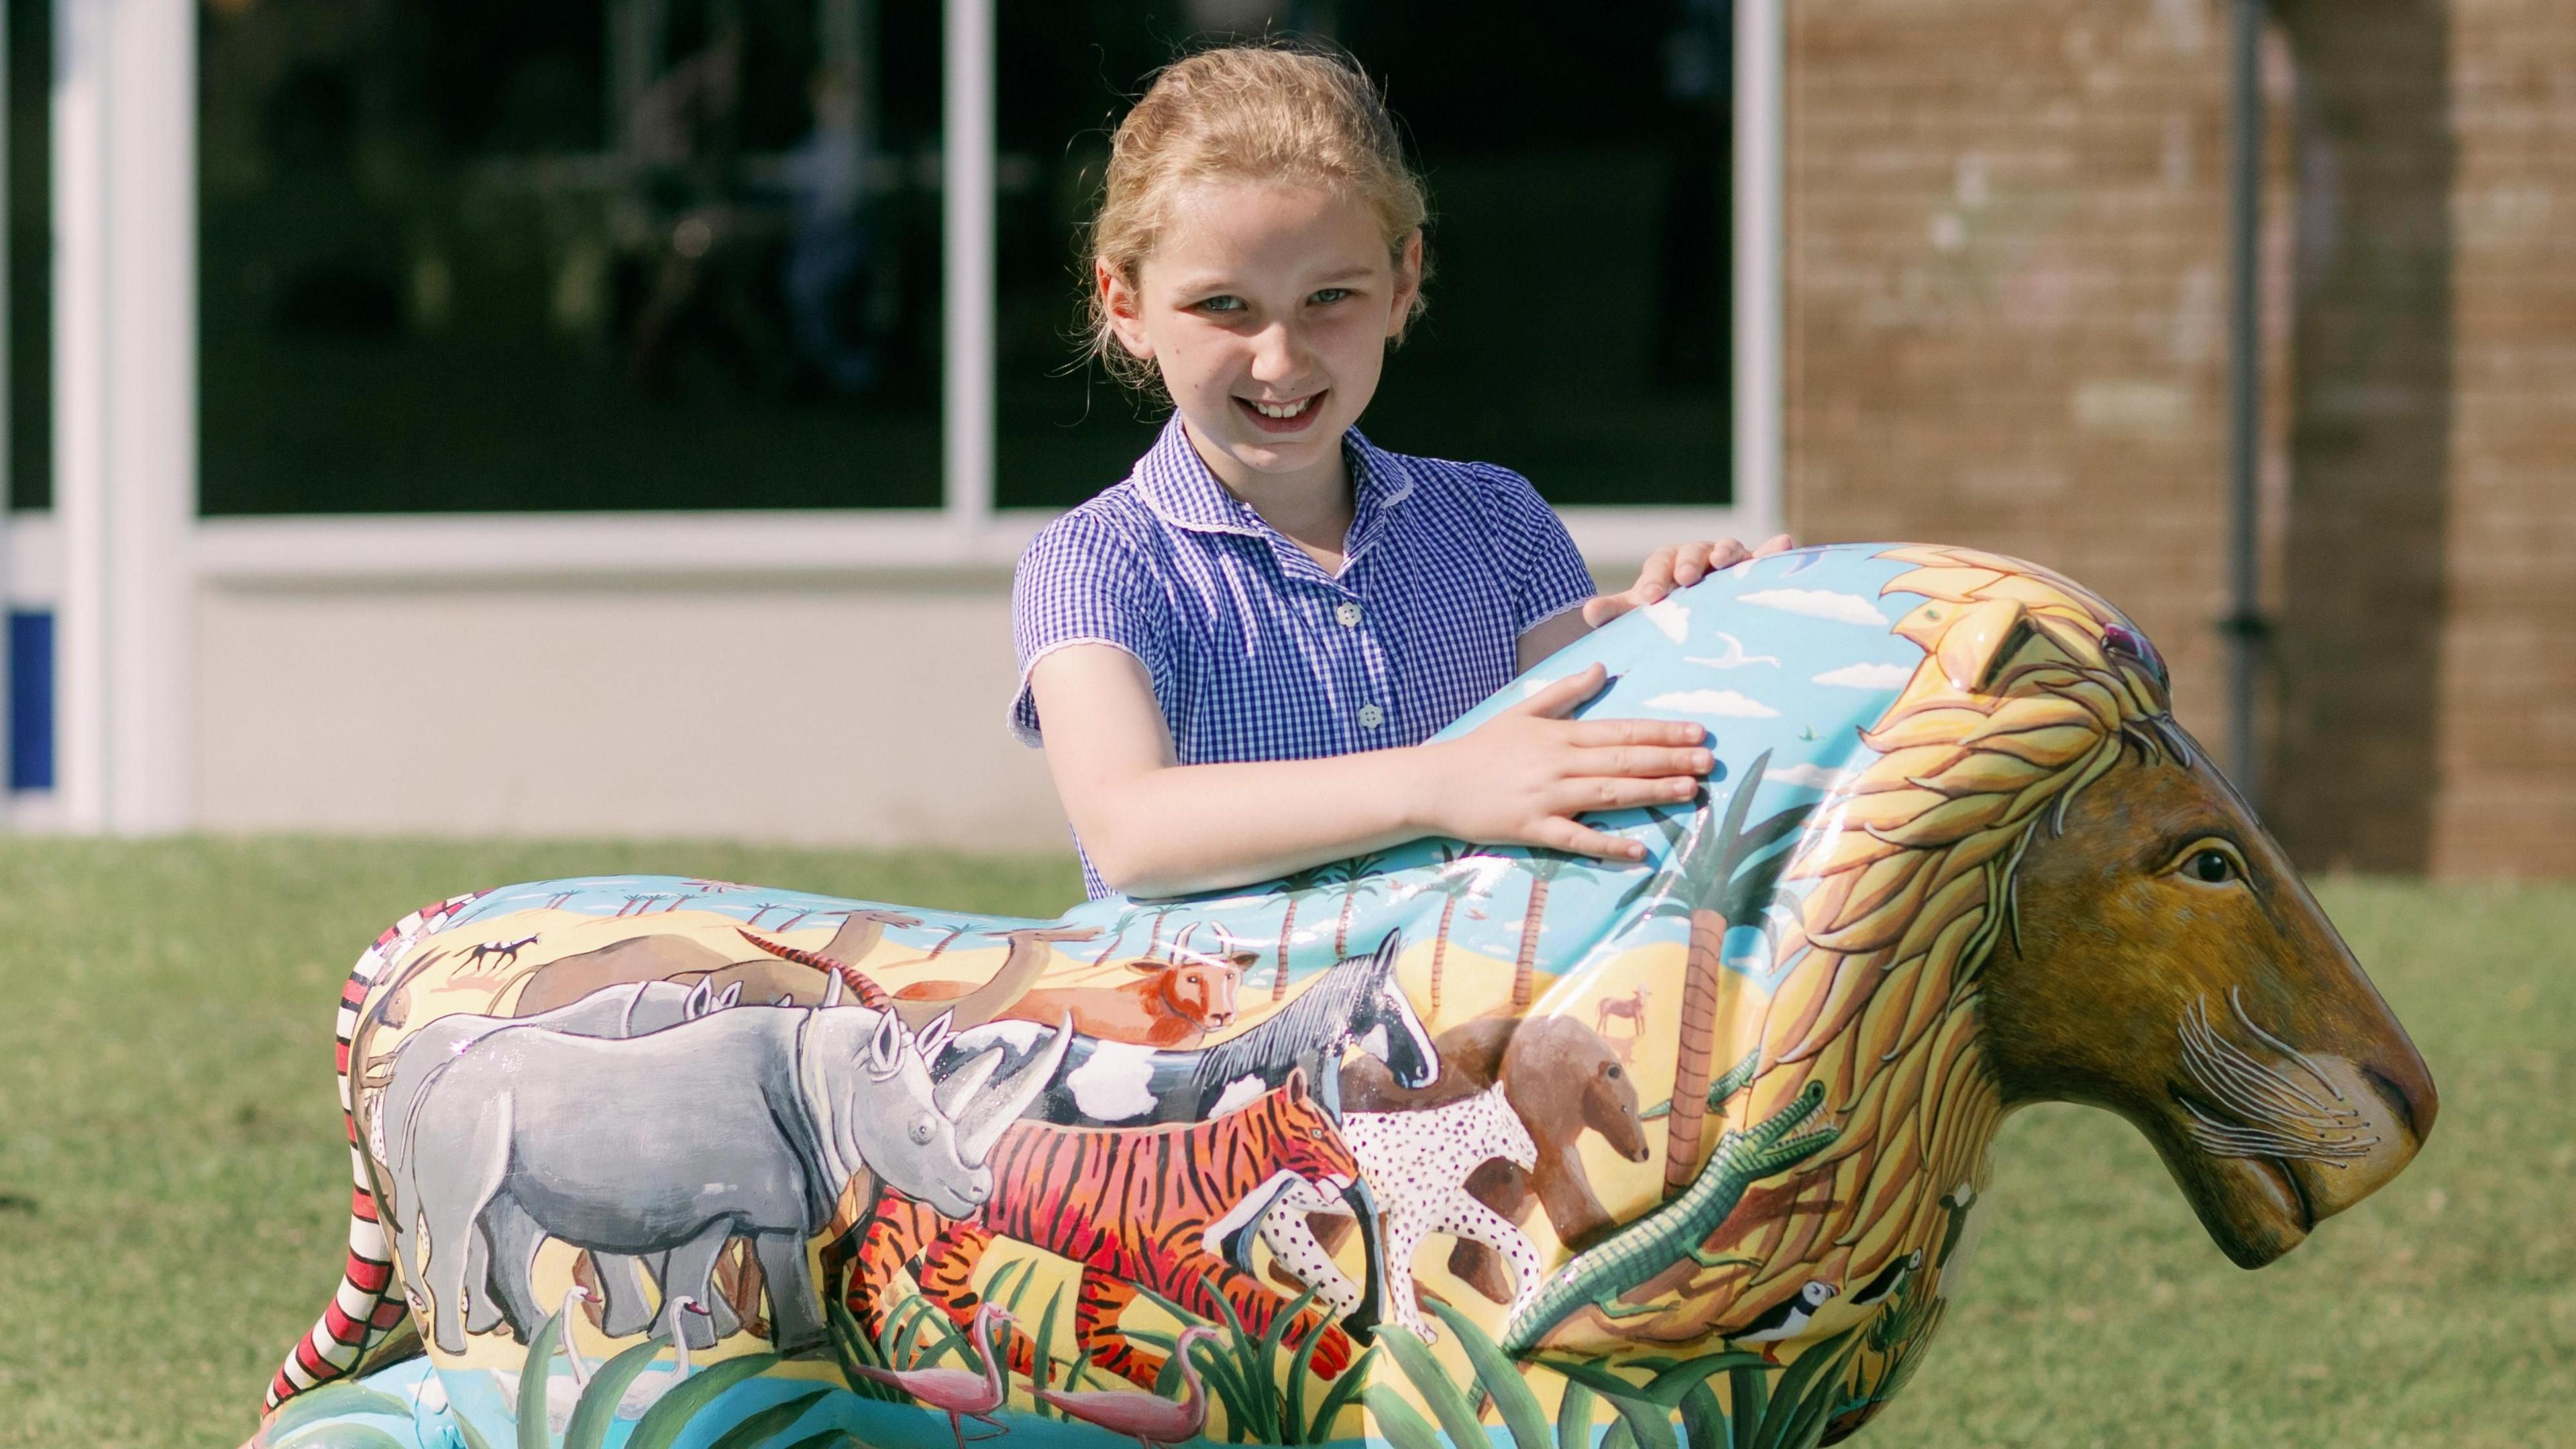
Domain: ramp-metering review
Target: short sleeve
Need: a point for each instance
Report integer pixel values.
(1543, 568)
(1079, 582)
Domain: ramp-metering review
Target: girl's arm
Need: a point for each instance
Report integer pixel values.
(1155, 827)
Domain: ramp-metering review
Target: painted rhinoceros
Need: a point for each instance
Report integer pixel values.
(749, 1122)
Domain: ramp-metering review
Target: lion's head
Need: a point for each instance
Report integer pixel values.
(2041, 890)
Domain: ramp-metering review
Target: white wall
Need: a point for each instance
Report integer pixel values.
(851, 711)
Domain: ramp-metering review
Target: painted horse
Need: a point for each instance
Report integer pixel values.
(1957, 857)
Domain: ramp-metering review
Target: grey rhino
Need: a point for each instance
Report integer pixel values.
(630, 1009)
(747, 1122)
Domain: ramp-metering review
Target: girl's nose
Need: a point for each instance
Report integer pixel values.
(1278, 354)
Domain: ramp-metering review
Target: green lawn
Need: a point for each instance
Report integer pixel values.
(172, 1180)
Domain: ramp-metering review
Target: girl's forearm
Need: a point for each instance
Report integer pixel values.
(1187, 828)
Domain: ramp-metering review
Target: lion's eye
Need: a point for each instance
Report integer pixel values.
(2211, 866)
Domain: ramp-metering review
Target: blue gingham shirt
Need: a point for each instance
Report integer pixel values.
(1255, 652)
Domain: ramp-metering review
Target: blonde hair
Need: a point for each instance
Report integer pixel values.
(1286, 112)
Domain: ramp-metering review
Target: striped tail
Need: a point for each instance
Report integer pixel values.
(870, 995)
(367, 1305)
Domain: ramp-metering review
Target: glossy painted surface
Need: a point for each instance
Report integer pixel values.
(1703, 1137)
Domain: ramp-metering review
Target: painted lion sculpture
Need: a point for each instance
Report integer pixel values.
(1425, 1144)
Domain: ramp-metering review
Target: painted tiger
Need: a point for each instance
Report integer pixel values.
(1151, 1207)
(367, 1305)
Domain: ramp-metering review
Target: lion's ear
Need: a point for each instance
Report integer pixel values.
(1978, 642)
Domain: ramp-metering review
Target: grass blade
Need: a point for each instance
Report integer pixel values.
(1816, 1409)
(1667, 1387)
(949, 1342)
(333, 1401)
(829, 1439)
(1789, 1397)
(1294, 1413)
(1432, 1381)
(1501, 1378)
(466, 1431)
(769, 1423)
(1648, 1423)
(660, 1427)
(1042, 1353)
(1703, 1421)
(901, 1355)
(1397, 1423)
(1345, 1389)
(533, 1370)
(1574, 1418)
(851, 1340)
(597, 1407)
(342, 1436)
(1748, 1393)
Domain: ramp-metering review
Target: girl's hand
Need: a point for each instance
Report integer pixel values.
(1521, 777)
(1678, 567)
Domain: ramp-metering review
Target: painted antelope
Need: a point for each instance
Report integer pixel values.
(1174, 1002)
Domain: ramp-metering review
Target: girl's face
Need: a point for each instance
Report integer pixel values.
(1266, 306)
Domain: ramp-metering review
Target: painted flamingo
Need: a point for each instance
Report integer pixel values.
(955, 1392)
(1151, 1420)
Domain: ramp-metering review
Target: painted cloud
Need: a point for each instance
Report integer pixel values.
(1867, 676)
(1713, 701)
(1812, 777)
(1819, 604)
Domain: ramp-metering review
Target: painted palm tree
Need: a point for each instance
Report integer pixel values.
(1719, 870)
(1357, 877)
(1543, 868)
(1303, 885)
(1462, 874)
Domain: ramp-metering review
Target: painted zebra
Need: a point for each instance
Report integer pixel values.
(1113, 1084)
(366, 1306)
(1153, 1207)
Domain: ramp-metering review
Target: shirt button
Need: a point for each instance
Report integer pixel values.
(1347, 614)
(1371, 716)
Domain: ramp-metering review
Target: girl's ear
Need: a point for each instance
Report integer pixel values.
(1120, 304)
(1408, 284)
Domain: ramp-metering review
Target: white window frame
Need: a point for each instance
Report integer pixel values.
(122, 552)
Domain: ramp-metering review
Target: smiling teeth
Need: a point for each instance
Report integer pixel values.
(1280, 410)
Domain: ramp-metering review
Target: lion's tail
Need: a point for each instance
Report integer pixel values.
(367, 1304)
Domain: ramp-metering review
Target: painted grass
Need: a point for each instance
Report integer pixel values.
(172, 1177)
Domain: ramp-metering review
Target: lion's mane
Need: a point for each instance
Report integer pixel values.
(1912, 863)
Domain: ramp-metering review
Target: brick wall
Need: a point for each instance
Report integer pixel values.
(2505, 739)
(2006, 327)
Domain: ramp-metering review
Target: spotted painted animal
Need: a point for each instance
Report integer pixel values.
(1152, 1208)
(1417, 1165)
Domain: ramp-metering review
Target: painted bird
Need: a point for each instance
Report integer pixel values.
(955, 1392)
(1786, 1321)
(1151, 1420)
(1890, 1278)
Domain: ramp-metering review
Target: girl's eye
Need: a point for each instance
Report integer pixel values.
(1222, 303)
(1330, 295)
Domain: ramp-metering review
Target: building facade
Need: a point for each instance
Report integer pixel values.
(1980, 292)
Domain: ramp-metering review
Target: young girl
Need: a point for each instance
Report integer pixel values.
(1237, 653)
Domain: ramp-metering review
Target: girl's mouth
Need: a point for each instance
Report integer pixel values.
(1289, 417)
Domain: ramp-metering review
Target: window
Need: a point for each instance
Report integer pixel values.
(463, 254)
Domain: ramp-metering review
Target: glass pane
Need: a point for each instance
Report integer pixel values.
(588, 254)
(30, 178)
(1580, 179)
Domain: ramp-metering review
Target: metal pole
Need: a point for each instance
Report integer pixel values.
(966, 217)
(2243, 626)
(1759, 61)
